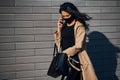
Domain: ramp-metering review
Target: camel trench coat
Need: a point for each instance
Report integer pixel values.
(88, 72)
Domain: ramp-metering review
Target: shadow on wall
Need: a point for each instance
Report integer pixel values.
(103, 55)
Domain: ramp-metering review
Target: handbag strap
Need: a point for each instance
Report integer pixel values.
(55, 50)
(76, 68)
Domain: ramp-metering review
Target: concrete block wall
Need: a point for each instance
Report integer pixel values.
(26, 37)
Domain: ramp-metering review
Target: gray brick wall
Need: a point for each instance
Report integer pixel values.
(26, 37)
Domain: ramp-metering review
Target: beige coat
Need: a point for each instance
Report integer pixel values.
(86, 67)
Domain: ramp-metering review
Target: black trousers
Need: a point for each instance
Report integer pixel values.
(72, 73)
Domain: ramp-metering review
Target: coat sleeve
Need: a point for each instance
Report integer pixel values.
(79, 41)
(57, 37)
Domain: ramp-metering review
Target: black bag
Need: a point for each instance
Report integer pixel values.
(59, 64)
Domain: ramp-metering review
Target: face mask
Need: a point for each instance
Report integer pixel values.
(69, 20)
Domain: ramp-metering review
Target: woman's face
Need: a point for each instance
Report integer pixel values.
(65, 14)
(67, 17)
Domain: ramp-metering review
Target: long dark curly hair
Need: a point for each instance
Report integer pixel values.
(72, 9)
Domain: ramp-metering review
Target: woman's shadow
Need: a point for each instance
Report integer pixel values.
(103, 55)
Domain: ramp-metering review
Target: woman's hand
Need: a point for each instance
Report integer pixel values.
(60, 24)
(68, 55)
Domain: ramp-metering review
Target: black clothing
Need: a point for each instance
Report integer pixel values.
(67, 35)
(68, 40)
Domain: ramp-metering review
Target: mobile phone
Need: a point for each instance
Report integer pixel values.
(62, 21)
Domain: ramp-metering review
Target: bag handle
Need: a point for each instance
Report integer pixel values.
(55, 50)
(76, 68)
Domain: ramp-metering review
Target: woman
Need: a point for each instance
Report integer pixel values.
(70, 38)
